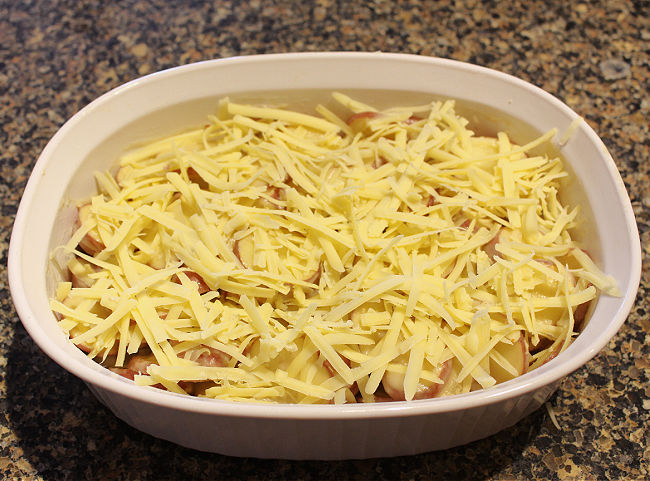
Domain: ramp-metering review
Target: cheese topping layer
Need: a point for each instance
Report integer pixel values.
(275, 256)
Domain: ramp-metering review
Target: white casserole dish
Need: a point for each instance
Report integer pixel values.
(166, 102)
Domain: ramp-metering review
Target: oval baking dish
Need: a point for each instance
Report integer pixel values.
(165, 102)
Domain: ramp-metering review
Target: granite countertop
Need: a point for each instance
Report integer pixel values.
(56, 56)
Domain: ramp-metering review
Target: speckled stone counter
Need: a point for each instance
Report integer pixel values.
(56, 56)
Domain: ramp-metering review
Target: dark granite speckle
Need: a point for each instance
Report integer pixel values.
(58, 55)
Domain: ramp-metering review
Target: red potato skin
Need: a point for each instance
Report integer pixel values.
(315, 277)
(526, 351)
(327, 365)
(193, 176)
(359, 122)
(543, 343)
(580, 314)
(90, 243)
(382, 399)
(138, 365)
(373, 115)
(194, 277)
(490, 247)
(362, 115)
(213, 358)
(77, 282)
(277, 193)
(553, 355)
(130, 374)
(124, 372)
(237, 251)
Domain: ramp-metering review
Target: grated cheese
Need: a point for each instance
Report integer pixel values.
(278, 256)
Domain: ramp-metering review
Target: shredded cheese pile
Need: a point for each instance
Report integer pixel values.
(275, 256)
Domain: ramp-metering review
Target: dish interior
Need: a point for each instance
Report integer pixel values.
(484, 120)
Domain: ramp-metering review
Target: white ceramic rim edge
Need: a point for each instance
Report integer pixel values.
(544, 375)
